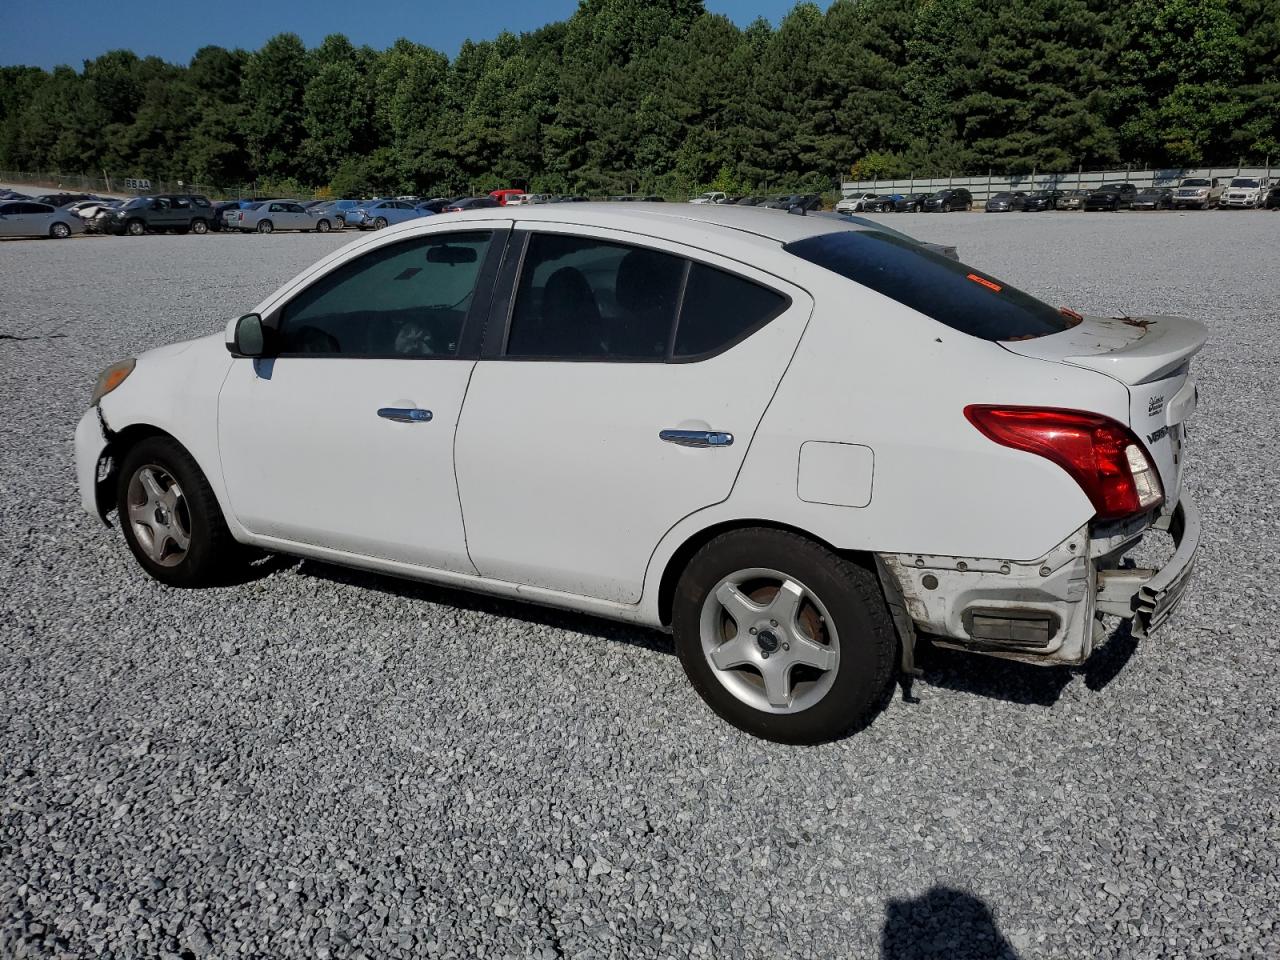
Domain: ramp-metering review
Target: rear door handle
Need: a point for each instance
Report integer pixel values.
(697, 438)
(404, 414)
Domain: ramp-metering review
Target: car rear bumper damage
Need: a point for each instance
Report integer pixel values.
(1048, 610)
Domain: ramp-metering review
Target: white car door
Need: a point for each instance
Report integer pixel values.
(594, 422)
(343, 438)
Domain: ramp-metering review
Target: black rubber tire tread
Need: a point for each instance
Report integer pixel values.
(853, 598)
(214, 557)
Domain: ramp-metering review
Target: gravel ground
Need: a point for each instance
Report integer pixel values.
(322, 763)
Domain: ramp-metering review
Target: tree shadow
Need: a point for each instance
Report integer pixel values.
(1023, 683)
(943, 924)
(521, 610)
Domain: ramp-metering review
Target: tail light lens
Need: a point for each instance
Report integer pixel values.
(1103, 456)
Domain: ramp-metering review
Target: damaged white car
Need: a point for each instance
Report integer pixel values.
(793, 442)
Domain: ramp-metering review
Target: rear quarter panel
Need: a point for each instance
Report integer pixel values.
(872, 372)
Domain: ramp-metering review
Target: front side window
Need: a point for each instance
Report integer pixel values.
(941, 288)
(406, 300)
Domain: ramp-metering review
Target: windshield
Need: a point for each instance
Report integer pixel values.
(1195, 183)
(1111, 188)
(946, 290)
(1244, 182)
(1002, 196)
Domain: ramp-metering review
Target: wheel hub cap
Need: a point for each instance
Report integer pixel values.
(158, 515)
(769, 641)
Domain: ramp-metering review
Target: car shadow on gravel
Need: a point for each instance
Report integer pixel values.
(1023, 683)
(943, 924)
(495, 606)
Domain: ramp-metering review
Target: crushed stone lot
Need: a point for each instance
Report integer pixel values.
(325, 763)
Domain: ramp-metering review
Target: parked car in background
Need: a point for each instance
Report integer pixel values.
(1153, 198)
(218, 218)
(802, 201)
(517, 200)
(65, 199)
(947, 201)
(7, 194)
(748, 201)
(272, 215)
(856, 203)
(337, 210)
(502, 195)
(30, 218)
(711, 196)
(1244, 193)
(470, 203)
(177, 213)
(434, 205)
(1202, 192)
(1072, 199)
(1273, 198)
(97, 218)
(911, 203)
(376, 214)
(1111, 196)
(1038, 200)
(747, 470)
(1006, 201)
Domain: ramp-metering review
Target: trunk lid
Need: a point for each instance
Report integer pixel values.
(1151, 356)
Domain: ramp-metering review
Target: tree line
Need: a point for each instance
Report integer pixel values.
(662, 96)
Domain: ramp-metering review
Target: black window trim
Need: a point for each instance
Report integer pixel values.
(498, 333)
(472, 324)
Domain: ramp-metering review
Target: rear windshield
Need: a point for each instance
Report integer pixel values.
(949, 292)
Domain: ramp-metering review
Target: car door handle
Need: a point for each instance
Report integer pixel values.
(404, 414)
(697, 438)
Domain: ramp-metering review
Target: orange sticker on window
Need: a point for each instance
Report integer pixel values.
(985, 282)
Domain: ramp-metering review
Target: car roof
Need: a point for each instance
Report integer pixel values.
(653, 218)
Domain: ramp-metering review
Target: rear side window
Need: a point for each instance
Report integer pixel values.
(580, 298)
(949, 292)
(719, 309)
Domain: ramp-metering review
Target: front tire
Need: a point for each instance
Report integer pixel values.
(783, 638)
(59, 231)
(171, 519)
(136, 228)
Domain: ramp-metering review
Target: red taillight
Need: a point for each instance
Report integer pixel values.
(1103, 456)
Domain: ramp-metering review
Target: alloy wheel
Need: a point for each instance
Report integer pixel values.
(159, 515)
(769, 640)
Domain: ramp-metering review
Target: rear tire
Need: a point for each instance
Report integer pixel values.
(199, 226)
(379, 223)
(266, 226)
(782, 637)
(171, 519)
(322, 226)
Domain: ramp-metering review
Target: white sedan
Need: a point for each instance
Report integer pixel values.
(793, 442)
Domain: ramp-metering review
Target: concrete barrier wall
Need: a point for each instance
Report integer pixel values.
(984, 187)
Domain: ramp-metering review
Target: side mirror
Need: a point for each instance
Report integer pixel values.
(248, 337)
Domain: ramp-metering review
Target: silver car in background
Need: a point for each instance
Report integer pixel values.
(30, 218)
(271, 215)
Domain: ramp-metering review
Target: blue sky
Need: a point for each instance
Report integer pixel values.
(45, 33)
